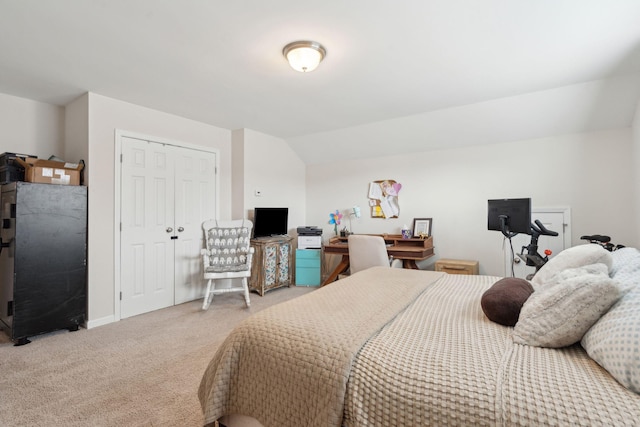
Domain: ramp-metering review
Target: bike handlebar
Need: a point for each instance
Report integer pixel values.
(542, 230)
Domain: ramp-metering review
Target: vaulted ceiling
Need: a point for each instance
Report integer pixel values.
(421, 65)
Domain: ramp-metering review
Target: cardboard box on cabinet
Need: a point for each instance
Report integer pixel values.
(50, 171)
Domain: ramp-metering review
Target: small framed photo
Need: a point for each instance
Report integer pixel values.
(421, 227)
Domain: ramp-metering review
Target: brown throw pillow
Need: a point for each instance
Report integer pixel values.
(503, 301)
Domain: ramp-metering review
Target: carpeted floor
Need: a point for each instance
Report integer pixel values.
(141, 371)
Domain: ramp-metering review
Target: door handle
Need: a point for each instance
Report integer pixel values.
(180, 229)
(169, 229)
(516, 260)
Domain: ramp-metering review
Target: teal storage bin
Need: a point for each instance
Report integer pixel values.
(308, 267)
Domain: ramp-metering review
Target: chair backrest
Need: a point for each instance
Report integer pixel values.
(366, 252)
(228, 244)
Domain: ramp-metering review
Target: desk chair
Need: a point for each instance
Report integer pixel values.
(366, 252)
(228, 255)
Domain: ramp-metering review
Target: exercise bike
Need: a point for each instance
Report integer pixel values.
(532, 258)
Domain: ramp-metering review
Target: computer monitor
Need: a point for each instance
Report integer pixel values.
(509, 216)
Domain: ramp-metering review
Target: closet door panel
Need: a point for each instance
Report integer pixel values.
(195, 195)
(147, 221)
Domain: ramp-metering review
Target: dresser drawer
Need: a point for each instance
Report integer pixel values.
(308, 258)
(458, 266)
(308, 276)
(313, 254)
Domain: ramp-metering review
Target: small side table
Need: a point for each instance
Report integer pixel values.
(458, 266)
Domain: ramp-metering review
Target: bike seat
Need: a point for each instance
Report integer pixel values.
(597, 238)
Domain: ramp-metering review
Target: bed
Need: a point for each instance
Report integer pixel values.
(399, 347)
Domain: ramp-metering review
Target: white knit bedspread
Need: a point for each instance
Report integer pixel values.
(442, 362)
(393, 347)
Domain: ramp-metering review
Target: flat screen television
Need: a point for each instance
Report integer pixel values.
(512, 214)
(270, 222)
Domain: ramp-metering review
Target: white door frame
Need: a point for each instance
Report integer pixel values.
(119, 134)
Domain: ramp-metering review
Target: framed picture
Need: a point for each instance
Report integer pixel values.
(421, 227)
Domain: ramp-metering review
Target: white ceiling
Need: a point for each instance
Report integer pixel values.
(220, 62)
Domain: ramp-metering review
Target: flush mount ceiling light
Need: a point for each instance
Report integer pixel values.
(304, 56)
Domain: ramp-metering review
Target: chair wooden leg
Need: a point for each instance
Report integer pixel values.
(208, 296)
(245, 285)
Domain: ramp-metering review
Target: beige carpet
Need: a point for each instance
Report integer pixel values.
(141, 371)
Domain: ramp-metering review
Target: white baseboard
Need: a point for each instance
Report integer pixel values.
(100, 322)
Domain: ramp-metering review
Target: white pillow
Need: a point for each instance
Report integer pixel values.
(625, 268)
(562, 311)
(576, 256)
(614, 340)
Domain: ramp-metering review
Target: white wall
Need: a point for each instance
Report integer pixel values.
(590, 173)
(105, 116)
(30, 127)
(76, 131)
(237, 174)
(272, 167)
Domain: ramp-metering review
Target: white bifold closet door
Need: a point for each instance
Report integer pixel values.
(167, 192)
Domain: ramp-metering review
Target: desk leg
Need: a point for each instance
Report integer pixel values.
(410, 263)
(341, 268)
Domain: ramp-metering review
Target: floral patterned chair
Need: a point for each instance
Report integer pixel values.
(228, 255)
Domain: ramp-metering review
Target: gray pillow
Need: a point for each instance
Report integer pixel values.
(227, 249)
(614, 341)
(562, 311)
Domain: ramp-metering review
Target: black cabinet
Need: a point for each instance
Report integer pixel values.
(43, 263)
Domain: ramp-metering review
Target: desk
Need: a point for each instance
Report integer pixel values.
(408, 250)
